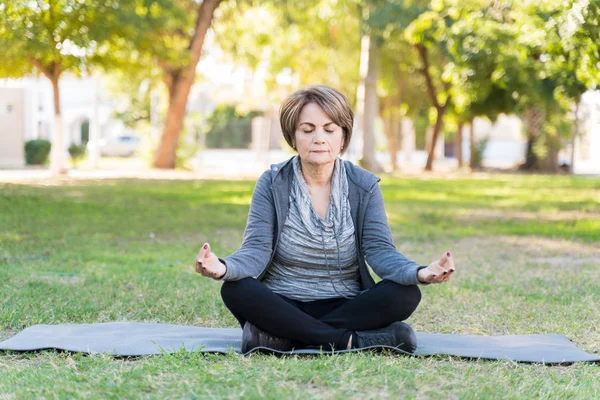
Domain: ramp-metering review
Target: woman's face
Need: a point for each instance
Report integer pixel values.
(318, 139)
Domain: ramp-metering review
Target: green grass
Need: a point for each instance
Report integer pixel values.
(526, 249)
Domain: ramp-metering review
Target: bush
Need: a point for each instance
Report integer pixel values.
(229, 129)
(77, 152)
(477, 157)
(37, 151)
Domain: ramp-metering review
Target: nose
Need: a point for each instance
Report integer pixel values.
(319, 136)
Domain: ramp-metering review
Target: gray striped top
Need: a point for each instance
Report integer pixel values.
(316, 258)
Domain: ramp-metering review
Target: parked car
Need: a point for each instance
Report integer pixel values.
(119, 146)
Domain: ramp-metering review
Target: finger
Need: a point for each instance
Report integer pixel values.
(444, 260)
(444, 276)
(199, 266)
(204, 251)
(437, 269)
(439, 273)
(432, 276)
(451, 266)
(450, 273)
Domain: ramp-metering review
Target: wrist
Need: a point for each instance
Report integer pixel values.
(419, 274)
(220, 277)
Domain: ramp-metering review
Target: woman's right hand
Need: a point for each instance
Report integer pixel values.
(208, 264)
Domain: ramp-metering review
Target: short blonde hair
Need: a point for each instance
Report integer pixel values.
(332, 101)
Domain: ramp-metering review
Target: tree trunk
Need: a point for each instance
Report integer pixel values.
(52, 71)
(390, 129)
(371, 107)
(441, 109)
(552, 158)
(397, 117)
(179, 82)
(92, 146)
(471, 146)
(575, 134)
(57, 152)
(459, 139)
(534, 121)
(436, 132)
(360, 97)
(396, 128)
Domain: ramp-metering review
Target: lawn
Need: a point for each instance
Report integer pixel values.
(526, 250)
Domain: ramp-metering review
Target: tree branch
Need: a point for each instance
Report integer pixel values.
(425, 71)
(206, 11)
(38, 64)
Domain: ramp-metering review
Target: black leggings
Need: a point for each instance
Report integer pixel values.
(327, 323)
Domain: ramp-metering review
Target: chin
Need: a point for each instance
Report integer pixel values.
(323, 158)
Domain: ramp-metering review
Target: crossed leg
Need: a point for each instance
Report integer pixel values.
(327, 323)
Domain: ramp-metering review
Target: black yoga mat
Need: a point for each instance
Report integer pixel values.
(138, 338)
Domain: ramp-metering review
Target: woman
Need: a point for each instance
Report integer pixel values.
(300, 278)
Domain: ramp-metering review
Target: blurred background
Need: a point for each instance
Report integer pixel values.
(96, 87)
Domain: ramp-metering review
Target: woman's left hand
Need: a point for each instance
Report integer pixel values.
(438, 271)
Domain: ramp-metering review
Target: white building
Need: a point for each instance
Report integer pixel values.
(587, 145)
(27, 112)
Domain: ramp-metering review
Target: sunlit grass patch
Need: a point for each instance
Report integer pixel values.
(526, 250)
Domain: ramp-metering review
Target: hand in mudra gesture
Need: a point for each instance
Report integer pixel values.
(438, 271)
(208, 264)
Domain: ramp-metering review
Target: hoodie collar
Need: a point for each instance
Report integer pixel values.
(360, 177)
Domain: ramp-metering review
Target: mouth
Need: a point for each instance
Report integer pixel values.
(320, 151)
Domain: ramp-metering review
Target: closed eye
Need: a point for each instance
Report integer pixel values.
(328, 131)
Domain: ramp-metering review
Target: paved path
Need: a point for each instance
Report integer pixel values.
(210, 164)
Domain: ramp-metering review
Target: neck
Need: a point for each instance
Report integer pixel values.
(317, 175)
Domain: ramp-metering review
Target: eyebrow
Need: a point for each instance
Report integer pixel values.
(313, 125)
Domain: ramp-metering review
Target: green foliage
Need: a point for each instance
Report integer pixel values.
(134, 94)
(186, 151)
(227, 128)
(53, 36)
(37, 151)
(77, 152)
(486, 57)
(286, 37)
(147, 35)
(478, 151)
(85, 131)
(421, 123)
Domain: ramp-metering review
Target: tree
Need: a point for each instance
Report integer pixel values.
(367, 101)
(164, 38)
(401, 90)
(179, 76)
(560, 39)
(464, 49)
(487, 80)
(283, 38)
(574, 61)
(52, 37)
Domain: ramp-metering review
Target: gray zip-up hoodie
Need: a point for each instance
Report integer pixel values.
(268, 211)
